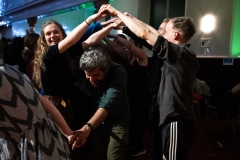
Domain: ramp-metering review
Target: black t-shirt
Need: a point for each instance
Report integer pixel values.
(178, 76)
(58, 78)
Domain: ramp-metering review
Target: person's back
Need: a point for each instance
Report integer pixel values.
(5, 49)
(15, 56)
(30, 45)
(25, 123)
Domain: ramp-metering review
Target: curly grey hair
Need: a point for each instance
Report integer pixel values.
(96, 57)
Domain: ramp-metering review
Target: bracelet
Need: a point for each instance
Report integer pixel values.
(87, 23)
(90, 126)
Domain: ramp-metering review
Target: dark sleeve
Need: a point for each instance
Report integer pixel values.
(75, 50)
(166, 50)
(128, 32)
(51, 51)
(90, 30)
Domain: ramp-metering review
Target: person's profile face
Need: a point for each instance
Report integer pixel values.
(170, 33)
(95, 77)
(53, 34)
(161, 29)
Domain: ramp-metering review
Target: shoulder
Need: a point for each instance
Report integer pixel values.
(116, 68)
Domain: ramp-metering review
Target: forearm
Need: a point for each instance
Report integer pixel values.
(128, 32)
(135, 26)
(82, 134)
(96, 37)
(146, 25)
(117, 49)
(138, 28)
(75, 35)
(56, 115)
(99, 116)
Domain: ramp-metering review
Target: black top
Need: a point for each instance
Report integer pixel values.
(136, 72)
(155, 72)
(154, 65)
(58, 78)
(178, 76)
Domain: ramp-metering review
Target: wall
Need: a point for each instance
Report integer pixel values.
(221, 36)
(161, 9)
(69, 20)
(73, 18)
(141, 10)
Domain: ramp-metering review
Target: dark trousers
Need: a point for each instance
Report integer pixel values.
(156, 143)
(177, 137)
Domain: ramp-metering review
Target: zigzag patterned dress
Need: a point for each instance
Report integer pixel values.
(26, 131)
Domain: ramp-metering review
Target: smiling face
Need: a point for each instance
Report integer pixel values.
(53, 34)
(96, 76)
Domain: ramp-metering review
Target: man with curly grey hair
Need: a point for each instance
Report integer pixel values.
(106, 85)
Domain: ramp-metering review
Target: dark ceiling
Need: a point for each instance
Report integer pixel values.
(23, 9)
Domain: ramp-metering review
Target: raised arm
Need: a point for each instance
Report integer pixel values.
(153, 30)
(117, 49)
(96, 37)
(75, 35)
(138, 52)
(135, 26)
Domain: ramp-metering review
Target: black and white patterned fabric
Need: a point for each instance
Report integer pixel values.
(26, 131)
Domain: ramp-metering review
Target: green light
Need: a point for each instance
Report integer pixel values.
(235, 45)
(81, 6)
(111, 0)
(86, 5)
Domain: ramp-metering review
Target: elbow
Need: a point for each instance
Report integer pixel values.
(145, 34)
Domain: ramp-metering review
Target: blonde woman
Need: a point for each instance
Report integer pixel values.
(53, 67)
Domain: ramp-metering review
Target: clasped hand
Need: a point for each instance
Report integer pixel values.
(77, 139)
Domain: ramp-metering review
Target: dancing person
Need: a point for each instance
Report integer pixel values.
(175, 98)
(53, 65)
(106, 84)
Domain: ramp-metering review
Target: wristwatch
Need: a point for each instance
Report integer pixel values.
(90, 126)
